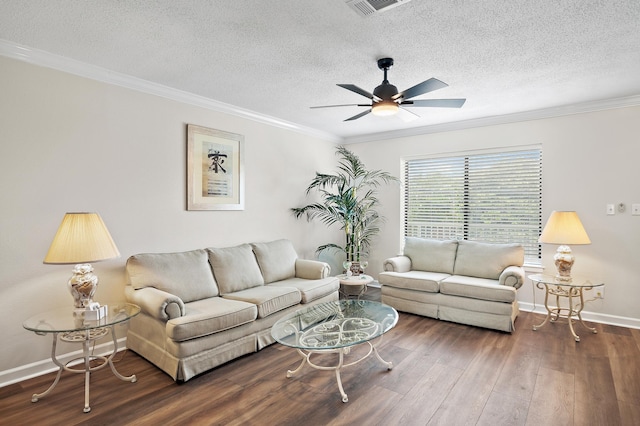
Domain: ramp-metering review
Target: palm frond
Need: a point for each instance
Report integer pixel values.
(348, 199)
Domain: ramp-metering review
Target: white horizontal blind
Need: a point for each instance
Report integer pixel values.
(493, 197)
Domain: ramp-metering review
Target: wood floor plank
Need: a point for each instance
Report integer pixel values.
(504, 409)
(592, 407)
(466, 400)
(421, 402)
(553, 399)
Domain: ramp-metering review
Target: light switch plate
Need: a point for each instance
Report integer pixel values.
(611, 209)
(635, 209)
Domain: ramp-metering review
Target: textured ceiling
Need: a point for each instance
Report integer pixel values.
(278, 58)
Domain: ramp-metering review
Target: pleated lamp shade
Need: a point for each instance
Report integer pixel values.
(81, 238)
(564, 228)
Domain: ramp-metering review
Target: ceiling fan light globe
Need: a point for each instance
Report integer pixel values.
(384, 108)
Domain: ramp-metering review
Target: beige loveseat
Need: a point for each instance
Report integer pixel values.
(461, 281)
(202, 308)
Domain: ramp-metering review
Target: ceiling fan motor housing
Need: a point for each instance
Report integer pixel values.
(385, 91)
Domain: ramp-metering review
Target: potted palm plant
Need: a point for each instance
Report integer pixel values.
(348, 198)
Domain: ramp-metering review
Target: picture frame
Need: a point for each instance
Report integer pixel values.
(215, 169)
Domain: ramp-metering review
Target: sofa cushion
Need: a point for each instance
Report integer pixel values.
(477, 288)
(311, 290)
(431, 255)
(413, 280)
(186, 275)
(484, 260)
(235, 268)
(268, 299)
(208, 316)
(277, 260)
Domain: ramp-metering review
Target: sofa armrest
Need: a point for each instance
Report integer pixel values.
(156, 303)
(312, 269)
(397, 264)
(512, 276)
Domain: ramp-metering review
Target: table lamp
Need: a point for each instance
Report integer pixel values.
(82, 238)
(564, 228)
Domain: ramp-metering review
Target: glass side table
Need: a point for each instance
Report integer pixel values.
(70, 326)
(572, 290)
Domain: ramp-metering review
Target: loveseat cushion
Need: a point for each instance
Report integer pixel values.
(431, 255)
(186, 275)
(477, 288)
(209, 316)
(484, 260)
(311, 290)
(235, 268)
(268, 299)
(277, 260)
(413, 280)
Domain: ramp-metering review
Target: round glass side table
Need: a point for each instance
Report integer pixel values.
(70, 325)
(572, 290)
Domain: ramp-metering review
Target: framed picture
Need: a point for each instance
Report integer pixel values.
(215, 175)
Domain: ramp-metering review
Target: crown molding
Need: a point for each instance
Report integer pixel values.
(593, 106)
(82, 69)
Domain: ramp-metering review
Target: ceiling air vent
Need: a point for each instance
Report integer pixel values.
(369, 7)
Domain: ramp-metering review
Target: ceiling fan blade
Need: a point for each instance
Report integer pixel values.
(343, 105)
(355, 117)
(437, 103)
(406, 115)
(358, 90)
(421, 88)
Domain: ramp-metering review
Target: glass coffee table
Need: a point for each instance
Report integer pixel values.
(335, 327)
(70, 326)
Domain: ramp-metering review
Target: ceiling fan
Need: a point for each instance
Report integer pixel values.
(386, 100)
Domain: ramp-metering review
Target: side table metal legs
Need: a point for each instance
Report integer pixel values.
(572, 312)
(85, 337)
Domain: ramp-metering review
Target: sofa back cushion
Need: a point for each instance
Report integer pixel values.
(484, 260)
(186, 274)
(431, 255)
(277, 260)
(235, 268)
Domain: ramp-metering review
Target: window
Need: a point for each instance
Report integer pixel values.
(491, 197)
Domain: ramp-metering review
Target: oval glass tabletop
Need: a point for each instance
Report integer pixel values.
(68, 319)
(334, 324)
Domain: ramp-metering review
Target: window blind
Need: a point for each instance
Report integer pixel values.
(495, 197)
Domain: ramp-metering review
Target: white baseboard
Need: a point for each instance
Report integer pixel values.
(588, 316)
(38, 368)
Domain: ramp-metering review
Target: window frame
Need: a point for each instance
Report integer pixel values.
(533, 250)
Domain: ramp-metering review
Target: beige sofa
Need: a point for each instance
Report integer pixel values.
(461, 281)
(202, 308)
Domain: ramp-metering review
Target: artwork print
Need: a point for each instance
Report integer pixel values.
(215, 175)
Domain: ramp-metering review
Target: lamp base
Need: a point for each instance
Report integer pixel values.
(83, 285)
(564, 260)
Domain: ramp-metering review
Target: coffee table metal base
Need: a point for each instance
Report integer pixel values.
(306, 359)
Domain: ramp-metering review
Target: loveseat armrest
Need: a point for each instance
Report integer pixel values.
(312, 269)
(156, 303)
(397, 264)
(512, 276)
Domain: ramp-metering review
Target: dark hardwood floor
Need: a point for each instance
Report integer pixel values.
(444, 374)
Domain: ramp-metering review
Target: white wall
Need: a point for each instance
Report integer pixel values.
(74, 144)
(589, 160)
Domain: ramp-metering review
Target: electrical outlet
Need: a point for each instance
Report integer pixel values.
(600, 292)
